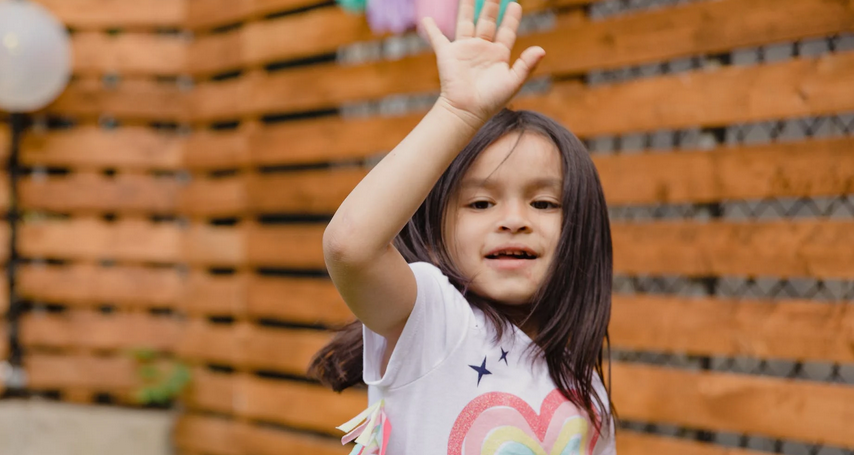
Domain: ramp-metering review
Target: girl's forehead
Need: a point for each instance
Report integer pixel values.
(517, 154)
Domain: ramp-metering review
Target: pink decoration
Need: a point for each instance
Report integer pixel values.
(444, 12)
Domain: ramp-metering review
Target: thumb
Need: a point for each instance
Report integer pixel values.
(435, 36)
(525, 65)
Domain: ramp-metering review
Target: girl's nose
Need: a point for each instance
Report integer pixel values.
(514, 219)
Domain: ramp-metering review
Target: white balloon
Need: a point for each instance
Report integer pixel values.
(35, 56)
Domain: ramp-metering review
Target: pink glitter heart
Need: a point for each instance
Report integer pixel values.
(504, 409)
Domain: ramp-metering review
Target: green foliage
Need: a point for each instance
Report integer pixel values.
(160, 385)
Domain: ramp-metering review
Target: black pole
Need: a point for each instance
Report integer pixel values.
(18, 123)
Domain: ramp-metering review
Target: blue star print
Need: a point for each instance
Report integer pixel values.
(481, 370)
(504, 356)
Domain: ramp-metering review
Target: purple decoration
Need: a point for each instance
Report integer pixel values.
(391, 16)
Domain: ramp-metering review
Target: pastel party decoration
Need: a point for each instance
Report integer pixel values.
(391, 16)
(498, 423)
(370, 430)
(353, 6)
(479, 6)
(444, 12)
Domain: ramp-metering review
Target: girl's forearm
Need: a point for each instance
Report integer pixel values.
(377, 209)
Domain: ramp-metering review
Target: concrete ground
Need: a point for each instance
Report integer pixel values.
(37, 427)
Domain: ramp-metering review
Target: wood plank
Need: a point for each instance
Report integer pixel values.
(822, 167)
(295, 404)
(261, 42)
(308, 301)
(104, 332)
(91, 147)
(4, 242)
(129, 54)
(220, 436)
(291, 246)
(633, 443)
(4, 350)
(302, 301)
(130, 100)
(328, 139)
(795, 88)
(817, 413)
(5, 139)
(84, 192)
(215, 295)
(722, 25)
(84, 371)
(210, 149)
(4, 296)
(118, 14)
(92, 239)
(207, 434)
(296, 246)
(5, 197)
(801, 248)
(215, 197)
(246, 346)
(85, 285)
(300, 192)
(797, 330)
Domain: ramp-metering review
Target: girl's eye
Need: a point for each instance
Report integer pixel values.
(480, 205)
(544, 205)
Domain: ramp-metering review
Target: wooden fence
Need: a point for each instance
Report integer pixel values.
(177, 198)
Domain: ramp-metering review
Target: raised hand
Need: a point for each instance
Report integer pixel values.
(474, 70)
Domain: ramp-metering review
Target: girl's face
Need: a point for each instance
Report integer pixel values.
(503, 225)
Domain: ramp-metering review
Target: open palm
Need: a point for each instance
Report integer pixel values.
(475, 72)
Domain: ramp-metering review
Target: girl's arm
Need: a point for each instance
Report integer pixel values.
(477, 82)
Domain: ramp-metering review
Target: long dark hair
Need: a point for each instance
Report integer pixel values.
(572, 308)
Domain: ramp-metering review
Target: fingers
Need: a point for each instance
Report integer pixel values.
(486, 22)
(435, 36)
(527, 62)
(509, 25)
(465, 19)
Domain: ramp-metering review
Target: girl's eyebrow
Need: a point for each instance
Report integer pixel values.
(544, 182)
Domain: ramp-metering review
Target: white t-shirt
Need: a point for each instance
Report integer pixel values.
(449, 388)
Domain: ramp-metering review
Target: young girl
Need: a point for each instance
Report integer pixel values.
(477, 256)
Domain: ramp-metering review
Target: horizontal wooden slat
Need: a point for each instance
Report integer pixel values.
(219, 436)
(246, 295)
(291, 246)
(91, 239)
(801, 87)
(302, 192)
(129, 100)
(247, 346)
(797, 330)
(91, 330)
(4, 295)
(4, 349)
(822, 167)
(808, 248)
(295, 404)
(801, 248)
(82, 285)
(90, 147)
(118, 14)
(4, 242)
(58, 371)
(207, 149)
(632, 443)
(812, 412)
(796, 88)
(212, 13)
(799, 169)
(623, 40)
(87, 192)
(215, 197)
(4, 191)
(129, 54)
